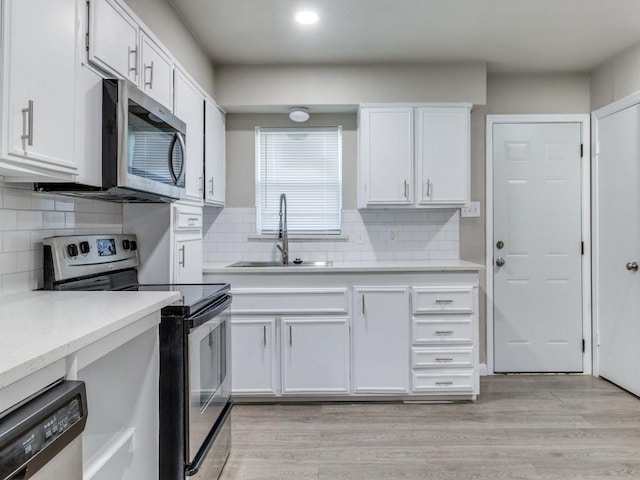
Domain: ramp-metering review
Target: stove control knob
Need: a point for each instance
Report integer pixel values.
(126, 244)
(84, 247)
(72, 250)
(134, 245)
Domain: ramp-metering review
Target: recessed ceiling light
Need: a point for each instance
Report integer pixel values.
(307, 17)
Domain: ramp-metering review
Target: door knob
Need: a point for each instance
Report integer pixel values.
(632, 266)
(500, 262)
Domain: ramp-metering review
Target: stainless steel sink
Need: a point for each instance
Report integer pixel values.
(279, 264)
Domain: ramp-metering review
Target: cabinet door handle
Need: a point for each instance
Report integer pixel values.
(444, 302)
(444, 383)
(211, 189)
(149, 83)
(27, 123)
(264, 335)
(444, 332)
(406, 189)
(182, 256)
(133, 69)
(442, 359)
(428, 188)
(363, 305)
(290, 336)
(201, 183)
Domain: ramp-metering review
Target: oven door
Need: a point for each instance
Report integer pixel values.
(209, 374)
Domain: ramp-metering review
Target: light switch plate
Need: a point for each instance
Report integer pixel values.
(471, 210)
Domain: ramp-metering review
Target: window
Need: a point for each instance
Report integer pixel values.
(306, 165)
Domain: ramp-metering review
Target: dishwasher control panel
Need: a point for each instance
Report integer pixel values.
(45, 424)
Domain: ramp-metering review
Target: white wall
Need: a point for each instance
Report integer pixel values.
(616, 78)
(241, 87)
(163, 20)
(26, 217)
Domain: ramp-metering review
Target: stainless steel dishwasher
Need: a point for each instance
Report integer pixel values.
(40, 439)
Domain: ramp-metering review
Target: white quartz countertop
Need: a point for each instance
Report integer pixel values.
(354, 267)
(41, 327)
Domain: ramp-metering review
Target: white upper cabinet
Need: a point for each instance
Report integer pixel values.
(214, 155)
(113, 39)
(38, 89)
(414, 155)
(442, 156)
(156, 72)
(189, 107)
(386, 156)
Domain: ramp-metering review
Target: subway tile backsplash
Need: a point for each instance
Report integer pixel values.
(230, 236)
(26, 217)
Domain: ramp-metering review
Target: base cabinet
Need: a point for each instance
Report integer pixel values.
(254, 366)
(315, 355)
(380, 339)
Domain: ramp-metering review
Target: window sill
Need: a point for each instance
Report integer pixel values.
(300, 238)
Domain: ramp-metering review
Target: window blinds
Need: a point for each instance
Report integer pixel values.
(306, 165)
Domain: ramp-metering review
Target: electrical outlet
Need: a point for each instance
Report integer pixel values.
(360, 238)
(471, 210)
(393, 234)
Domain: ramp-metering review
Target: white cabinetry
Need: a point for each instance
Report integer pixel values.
(188, 258)
(381, 340)
(444, 340)
(315, 355)
(39, 69)
(386, 156)
(214, 155)
(254, 371)
(189, 107)
(414, 155)
(156, 71)
(113, 39)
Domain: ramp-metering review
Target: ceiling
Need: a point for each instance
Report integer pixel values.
(519, 36)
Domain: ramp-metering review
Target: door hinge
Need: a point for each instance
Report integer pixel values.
(583, 345)
(582, 248)
(581, 150)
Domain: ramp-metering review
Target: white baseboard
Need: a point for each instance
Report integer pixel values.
(484, 371)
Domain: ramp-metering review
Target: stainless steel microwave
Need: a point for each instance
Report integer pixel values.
(143, 150)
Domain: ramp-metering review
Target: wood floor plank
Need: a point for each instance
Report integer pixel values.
(522, 427)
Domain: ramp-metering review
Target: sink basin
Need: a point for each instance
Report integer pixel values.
(279, 264)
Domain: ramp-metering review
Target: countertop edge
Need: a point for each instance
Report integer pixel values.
(225, 270)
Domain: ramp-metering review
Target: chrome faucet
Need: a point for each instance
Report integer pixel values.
(282, 230)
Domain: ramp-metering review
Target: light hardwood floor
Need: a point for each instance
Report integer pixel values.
(522, 427)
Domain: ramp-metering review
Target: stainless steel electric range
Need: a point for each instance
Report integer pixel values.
(195, 349)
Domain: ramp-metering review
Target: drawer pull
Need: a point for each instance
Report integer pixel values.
(447, 359)
(444, 302)
(444, 332)
(444, 383)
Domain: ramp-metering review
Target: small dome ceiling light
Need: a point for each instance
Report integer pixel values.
(299, 114)
(306, 17)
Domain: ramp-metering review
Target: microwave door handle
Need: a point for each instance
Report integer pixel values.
(176, 178)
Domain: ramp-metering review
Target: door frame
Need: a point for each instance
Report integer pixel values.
(596, 115)
(583, 120)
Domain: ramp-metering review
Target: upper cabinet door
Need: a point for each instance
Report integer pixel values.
(386, 156)
(214, 155)
(39, 85)
(189, 107)
(156, 72)
(113, 39)
(442, 156)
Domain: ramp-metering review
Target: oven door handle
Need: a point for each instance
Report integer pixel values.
(198, 460)
(211, 312)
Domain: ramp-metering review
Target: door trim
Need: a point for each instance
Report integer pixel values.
(583, 120)
(596, 115)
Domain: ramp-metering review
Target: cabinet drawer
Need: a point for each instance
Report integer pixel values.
(442, 299)
(187, 218)
(438, 357)
(459, 381)
(439, 330)
(290, 301)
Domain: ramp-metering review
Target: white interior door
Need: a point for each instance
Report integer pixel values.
(538, 236)
(618, 243)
